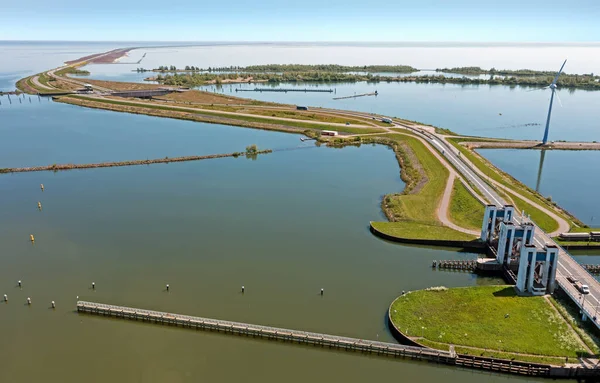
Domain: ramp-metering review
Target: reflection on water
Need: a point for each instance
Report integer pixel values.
(566, 176)
(540, 168)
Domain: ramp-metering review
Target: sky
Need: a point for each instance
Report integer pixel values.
(308, 20)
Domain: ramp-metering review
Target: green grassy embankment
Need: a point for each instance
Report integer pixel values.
(543, 220)
(410, 230)
(476, 319)
(413, 213)
(139, 107)
(71, 70)
(297, 115)
(465, 210)
(420, 203)
(505, 179)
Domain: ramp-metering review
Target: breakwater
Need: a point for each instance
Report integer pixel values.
(285, 90)
(357, 95)
(57, 167)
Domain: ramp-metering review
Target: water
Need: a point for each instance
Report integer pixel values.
(284, 225)
(566, 176)
(478, 110)
(37, 133)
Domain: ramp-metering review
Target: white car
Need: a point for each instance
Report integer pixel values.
(585, 289)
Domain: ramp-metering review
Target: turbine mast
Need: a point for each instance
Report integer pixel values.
(545, 140)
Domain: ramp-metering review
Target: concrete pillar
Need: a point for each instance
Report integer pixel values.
(487, 215)
(493, 227)
(523, 264)
(504, 229)
(531, 271)
(553, 250)
(509, 212)
(528, 233)
(510, 244)
(546, 269)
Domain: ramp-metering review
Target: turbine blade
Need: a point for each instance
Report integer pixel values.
(559, 72)
(558, 98)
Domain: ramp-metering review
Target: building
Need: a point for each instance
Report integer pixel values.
(515, 248)
(329, 133)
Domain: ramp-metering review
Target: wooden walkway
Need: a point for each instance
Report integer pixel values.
(335, 342)
(267, 332)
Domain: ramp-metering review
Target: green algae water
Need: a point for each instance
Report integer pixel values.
(283, 225)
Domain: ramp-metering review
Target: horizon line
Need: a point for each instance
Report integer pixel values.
(319, 42)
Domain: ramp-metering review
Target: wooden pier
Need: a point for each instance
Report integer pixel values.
(456, 264)
(357, 95)
(285, 90)
(334, 342)
(267, 332)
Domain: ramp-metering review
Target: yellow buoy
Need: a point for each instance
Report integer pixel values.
(42, 187)
(31, 236)
(39, 205)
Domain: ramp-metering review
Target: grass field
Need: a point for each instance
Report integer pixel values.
(543, 220)
(298, 124)
(489, 318)
(426, 231)
(465, 210)
(420, 206)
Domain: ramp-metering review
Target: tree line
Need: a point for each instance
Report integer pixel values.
(277, 68)
(198, 79)
(475, 70)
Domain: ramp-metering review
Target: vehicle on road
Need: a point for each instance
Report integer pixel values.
(386, 120)
(584, 289)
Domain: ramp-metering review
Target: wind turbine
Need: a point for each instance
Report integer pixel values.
(553, 88)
